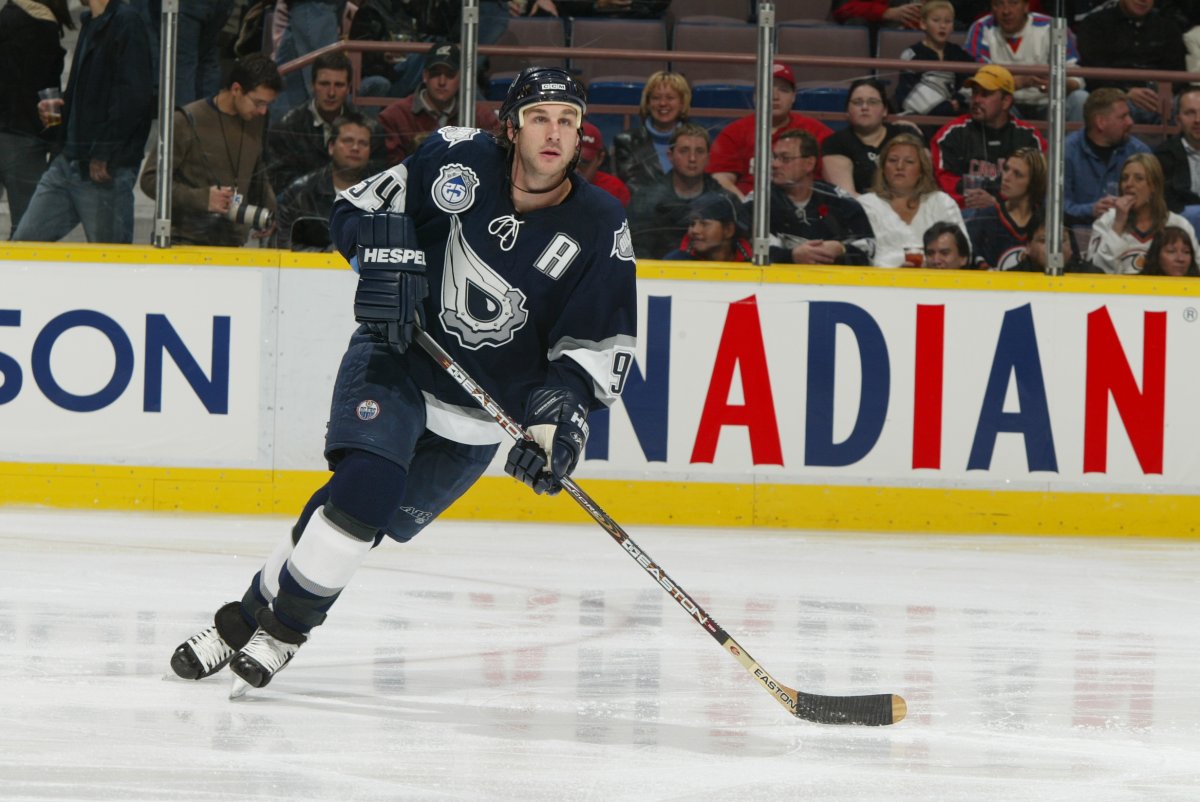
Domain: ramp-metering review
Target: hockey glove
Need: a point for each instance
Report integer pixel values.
(557, 421)
(391, 278)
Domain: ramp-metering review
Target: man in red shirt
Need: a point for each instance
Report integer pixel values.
(733, 150)
(591, 156)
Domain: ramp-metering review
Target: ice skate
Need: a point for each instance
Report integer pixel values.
(207, 652)
(269, 650)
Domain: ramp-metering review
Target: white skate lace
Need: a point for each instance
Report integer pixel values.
(268, 652)
(210, 648)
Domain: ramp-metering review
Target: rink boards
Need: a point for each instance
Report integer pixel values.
(825, 398)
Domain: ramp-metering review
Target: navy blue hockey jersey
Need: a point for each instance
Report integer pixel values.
(544, 298)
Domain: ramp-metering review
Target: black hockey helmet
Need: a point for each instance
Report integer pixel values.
(542, 85)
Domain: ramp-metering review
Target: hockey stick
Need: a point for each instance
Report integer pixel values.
(873, 709)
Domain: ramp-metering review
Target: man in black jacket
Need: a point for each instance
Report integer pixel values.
(106, 113)
(1180, 159)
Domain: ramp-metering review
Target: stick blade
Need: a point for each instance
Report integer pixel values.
(874, 710)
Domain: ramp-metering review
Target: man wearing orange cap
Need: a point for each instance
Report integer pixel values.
(733, 148)
(969, 151)
(591, 156)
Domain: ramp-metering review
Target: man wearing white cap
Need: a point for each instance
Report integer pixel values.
(969, 151)
(733, 149)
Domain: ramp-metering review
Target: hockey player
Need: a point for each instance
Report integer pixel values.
(524, 273)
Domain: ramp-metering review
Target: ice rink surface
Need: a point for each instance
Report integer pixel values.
(506, 662)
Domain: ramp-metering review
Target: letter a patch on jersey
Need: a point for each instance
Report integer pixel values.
(454, 189)
(478, 306)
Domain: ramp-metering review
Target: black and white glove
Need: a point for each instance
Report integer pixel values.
(557, 421)
(391, 278)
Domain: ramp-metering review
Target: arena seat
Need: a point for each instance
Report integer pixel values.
(635, 34)
(715, 37)
(848, 41)
(530, 32)
(803, 10)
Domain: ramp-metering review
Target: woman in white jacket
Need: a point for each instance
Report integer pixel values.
(905, 201)
(1122, 235)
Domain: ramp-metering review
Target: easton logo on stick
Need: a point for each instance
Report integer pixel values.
(692, 608)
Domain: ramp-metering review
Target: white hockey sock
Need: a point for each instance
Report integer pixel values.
(268, 578)
(326, 557)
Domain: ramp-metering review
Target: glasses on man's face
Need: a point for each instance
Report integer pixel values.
(783, 157)
(866, 102)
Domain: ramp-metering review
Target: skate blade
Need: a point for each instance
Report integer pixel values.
(239, 687)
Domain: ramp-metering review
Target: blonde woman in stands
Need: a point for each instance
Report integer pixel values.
(1123, 234)
(640, 154)
(904, 201)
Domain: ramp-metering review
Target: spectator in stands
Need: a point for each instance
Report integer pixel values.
(591, 156)
(433, 106)
(298, 143)
(1171, 254)
(197, 62)
(220, 176)
(105, 118)
(905, 201)
(811, 222)
(1092, 157)
(1000, 233)
(1012, 35)
(713, 233)
(1035, 258)
(878, 13)
(658, 210)
(1179, 156)
(31, 59)
(934, 92)
(849, 157)
(733, 150)
(632, 9)
(977, 143)
(640, 152)
(1122, 235)
(311, 25)
(312, 195)
(1133, 35)
(947, 247)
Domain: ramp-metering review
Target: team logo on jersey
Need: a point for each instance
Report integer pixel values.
(454, 189)
(478, 306)
(1132, 261)
(622, 243)
(1010, 258)
(367, 410)
(506, 228)
(454, 134)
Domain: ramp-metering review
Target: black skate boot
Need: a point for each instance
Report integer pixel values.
(207, 652)
(269, 650)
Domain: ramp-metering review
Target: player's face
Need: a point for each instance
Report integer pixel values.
(253, 104)
(708, 237)
(783, 96)
(1176, 257)
(943, 253)
(442, 84)
(902, 169)
(1010, 14)
(865, 109)
(1189, 117)
(1135, 183)
(939, 25)
(788, 167)
(689, 156)
(666, 106)
(330, 88)
(546, 144)
(989, 106)
(351, 149)
(1014, 180)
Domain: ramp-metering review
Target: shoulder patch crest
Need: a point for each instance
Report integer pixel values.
(622, 243)
(454, 189)
(453, 134)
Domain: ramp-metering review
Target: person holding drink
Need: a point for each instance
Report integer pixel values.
(905, 201)
(104, 117)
